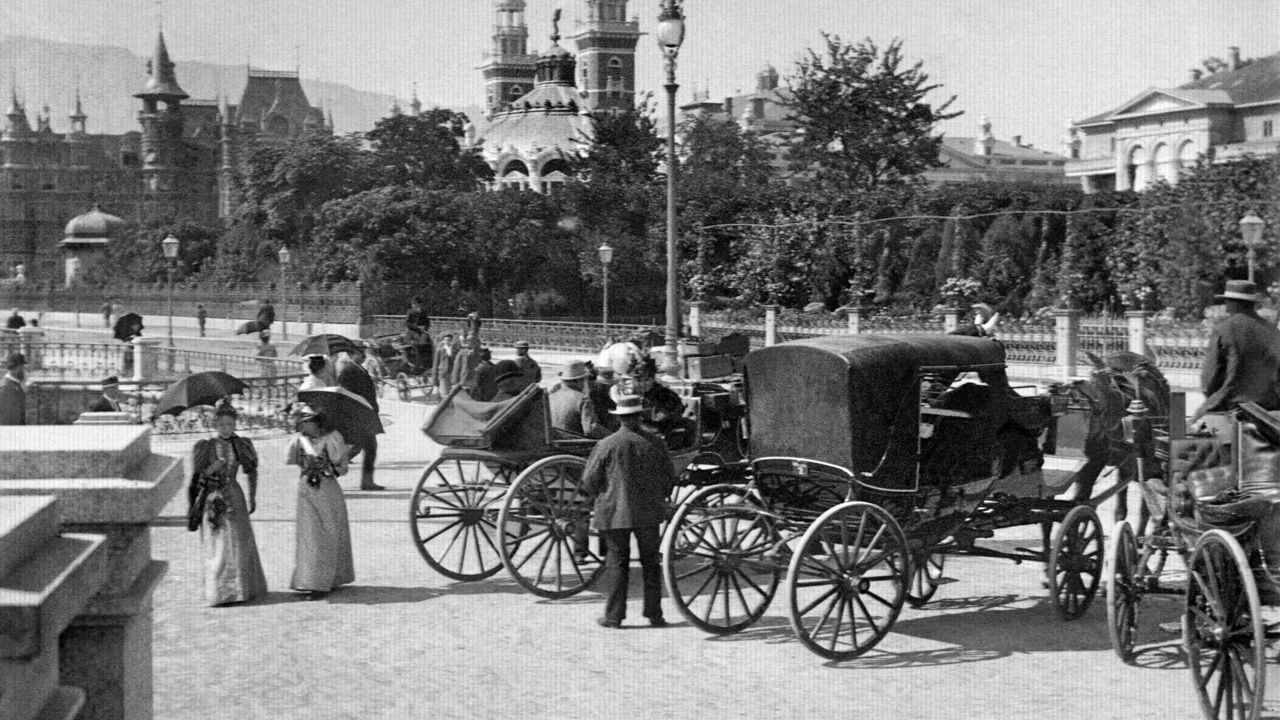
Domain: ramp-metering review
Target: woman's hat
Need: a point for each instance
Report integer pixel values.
(575, 370)
(1241, 290)
(628, 405)
(983, 308)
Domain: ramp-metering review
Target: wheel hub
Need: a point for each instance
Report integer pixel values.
(471, 516)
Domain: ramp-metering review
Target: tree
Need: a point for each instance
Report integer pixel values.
(863, 114)
(425, 150)
(135, 256)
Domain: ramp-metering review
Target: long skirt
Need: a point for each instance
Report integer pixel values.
(232, 570)
(322, 555)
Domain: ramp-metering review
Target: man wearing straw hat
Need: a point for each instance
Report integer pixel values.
(630, 476)
(1242, 361)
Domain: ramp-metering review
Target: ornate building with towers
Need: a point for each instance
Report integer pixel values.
(537, 106)
(180, 163)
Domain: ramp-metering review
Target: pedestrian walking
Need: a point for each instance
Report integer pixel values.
(630, 477)
(15, 321)
(442, 367)
(106, 314)
(232, 569)
(201, 316)
(352, 376)
(465, 361)
(528, 365)
(322, 545)
(319, 373)
(266, 354)
(110, 400)
(13, 393)
(266, 314)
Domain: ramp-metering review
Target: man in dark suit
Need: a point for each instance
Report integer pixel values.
(13, 396)
(110, 400)
(630, 476)
(1242, 361)
(266, 315)
(15, 321)
(354, 378)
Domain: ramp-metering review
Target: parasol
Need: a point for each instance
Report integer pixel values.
(327, 344)
(345, 412)
(127, 327)
(205, 388)
(253, 326)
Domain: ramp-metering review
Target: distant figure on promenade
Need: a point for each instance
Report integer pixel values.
(232, 569)
(417, 331)
(599, 384)
(110, 400)
(465, 361)
(15, 321)
(1242, 360)
(201, 316)
(484, 385)
(352, 376)
(528, 365)
(471, 326)
(320, 373)
(106, 314)
(442, 367)
(509, 380)
(322, 552)
(571, 408)
(266, 314)
(985, 321)
(13, 394)
(372, 363)
(266, 354)
(630, 477)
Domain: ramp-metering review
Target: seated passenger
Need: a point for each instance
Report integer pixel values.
(571, 409)
(509, 380)
(663, 408)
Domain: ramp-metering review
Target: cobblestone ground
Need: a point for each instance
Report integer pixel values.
(405, 642)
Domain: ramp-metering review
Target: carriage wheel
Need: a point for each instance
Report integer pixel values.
(848, 580)
(926, 576)
(453, 515)
(722, 559)
(1124, 590)
(402, 386)
(545, 521)
(1222, 630)
(1075, 562)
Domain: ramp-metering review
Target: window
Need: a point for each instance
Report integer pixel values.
(1267, 128)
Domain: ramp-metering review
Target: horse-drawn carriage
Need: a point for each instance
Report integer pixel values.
(872, 459)
(504, 490)
(407, 360)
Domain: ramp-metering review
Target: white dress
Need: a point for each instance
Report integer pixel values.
(322, 554)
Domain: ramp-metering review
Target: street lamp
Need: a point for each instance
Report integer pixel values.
(1251, 230)
(670, 37)
(606, 256)
(170, 246)
(284, 299)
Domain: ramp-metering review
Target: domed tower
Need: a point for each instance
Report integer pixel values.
(606, 44)
(767, 78)
(161, 126)
(509, 69)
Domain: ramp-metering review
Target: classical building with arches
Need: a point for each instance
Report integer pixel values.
(1152, 137)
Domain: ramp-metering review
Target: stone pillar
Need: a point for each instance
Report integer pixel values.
(695, 318)
(107, 482)
(770, 325)
(31, 340)
(146, 358)
(854, 318)
(1137, 322)
(1066, 336)
(950, 318)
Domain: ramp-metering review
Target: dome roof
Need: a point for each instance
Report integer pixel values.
(768, 69)
(93, 224)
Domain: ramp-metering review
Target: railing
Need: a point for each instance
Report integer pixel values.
(261, 407)
(186, 362)
(540, 334)
(93, 361)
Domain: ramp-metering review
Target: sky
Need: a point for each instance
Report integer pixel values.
(1029, 65)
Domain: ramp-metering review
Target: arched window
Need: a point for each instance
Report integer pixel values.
(615, 68)
(1188, 155)
(1138, 168)
(514, 93)
(1166, 164)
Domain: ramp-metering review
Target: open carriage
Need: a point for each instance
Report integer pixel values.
(1206, 495)
(503, 466)
(408, 366)
(869, 464)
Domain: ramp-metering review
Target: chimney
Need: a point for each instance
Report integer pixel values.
(728, 107)
(1017, 140)
(1233, 53)
(1196, 74)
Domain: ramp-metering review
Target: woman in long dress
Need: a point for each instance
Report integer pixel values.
(232, 569)
(322, 556)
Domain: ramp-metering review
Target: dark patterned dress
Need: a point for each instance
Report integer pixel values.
(232, 569)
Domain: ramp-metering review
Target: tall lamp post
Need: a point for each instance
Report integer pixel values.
(606, 256)
(170, 246)
(284, 256)
(670, 36)
(1251, 230)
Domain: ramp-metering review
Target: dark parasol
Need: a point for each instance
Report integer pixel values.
(127, 327)
(327, 344)
(345, 412)
(205, 388)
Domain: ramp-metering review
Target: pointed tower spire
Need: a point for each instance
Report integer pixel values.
(16, 114)
(330, 119)
(162, 83)
(415, 105)
(78, 117)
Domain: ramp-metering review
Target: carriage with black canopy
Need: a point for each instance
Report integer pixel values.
(872, 458)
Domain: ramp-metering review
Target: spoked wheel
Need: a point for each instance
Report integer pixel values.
(1124, 590)
(454, 512)
(848, 580)
(722, 559)
(926, 576)
(1075, 562)
(1222, 630)
(546, 521)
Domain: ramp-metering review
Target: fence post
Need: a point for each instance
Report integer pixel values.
(950, 318)
(1137, 321)
(695, 318)
(854, 318)
(770, 325)
(1066, 327)
(146, 358)
(30, 339)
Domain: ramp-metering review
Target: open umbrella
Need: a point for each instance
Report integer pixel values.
(326, 344)
(345, 411)
(127, 327)
(205, 388)
(253, 326)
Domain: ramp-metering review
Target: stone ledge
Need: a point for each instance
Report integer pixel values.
(71, 451)
(106, 609)
(41, 597)
(107, 500)
(25, 525)
(64, 704)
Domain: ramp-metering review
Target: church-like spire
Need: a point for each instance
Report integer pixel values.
(17, 114)
(162, 83)
(78, 117)
(415, 105)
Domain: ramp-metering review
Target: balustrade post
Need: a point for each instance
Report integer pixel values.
(770, 325)
(1137, 322)
(146, 351)
(695, 318)
(854, 318)
(950, 318)
(1066, 331)
(31, 339)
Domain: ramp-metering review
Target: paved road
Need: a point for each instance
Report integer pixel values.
(404, 642)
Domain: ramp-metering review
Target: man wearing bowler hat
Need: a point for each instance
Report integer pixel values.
(630, 477)
(110, 400)
(571, 408)
(528, 365)
(1242, 361)
(13, 395)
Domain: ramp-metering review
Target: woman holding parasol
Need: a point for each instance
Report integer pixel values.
(322, 555)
